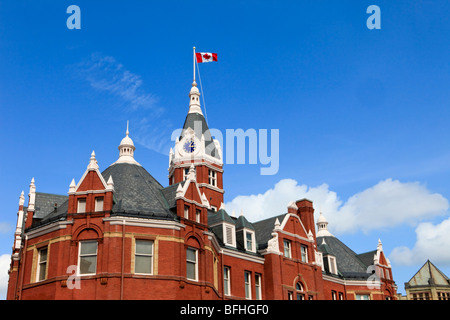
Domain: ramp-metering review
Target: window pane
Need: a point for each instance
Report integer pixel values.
(144, 247)
(81, 206)
(190, 270)
(88, 247)
(43, 255)
(190, 255)
(99, 204)
(88, 264)
(143, 264)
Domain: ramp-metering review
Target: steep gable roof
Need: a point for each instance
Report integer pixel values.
(429, 274)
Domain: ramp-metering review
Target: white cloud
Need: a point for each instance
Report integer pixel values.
(5, 260)
(104, 73)
(387, 204)
(148, 124)
(432, 242)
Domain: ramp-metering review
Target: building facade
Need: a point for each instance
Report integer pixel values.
(120, 234)
(429, 283)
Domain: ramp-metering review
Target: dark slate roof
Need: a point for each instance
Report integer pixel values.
(45, 203)
(264, 228)
(136, 192)
(242, 222)
(169, 194)
(218, 217)
(347, 260)
(367, 257)
(197, 122)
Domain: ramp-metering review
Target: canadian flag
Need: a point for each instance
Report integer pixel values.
(205, 57)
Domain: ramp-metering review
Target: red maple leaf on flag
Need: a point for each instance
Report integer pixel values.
(206, 56)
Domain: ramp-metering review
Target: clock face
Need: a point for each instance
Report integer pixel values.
(189, 146)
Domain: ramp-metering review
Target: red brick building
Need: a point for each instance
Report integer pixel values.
(119, 234)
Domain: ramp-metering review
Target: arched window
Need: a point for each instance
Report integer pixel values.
(300, 292)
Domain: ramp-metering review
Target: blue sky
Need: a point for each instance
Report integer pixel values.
(362, 114)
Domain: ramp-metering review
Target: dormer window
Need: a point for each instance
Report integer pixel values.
(332, 265)
(249, 239)
(229, 235)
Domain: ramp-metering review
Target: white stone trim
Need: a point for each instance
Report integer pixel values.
(142, 222)
(47, 229)
(241, 255)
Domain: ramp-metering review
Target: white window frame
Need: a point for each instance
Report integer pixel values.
(40, 263)
(253, 243)
(80, 208)
(227, 281)
(288, 247)
(195, 262)
(186, 212)
(248, 285)
(304, 253)
(151, 255)
(91, 254)
(362, 297)
(258, 284)
(225, 226)
(98, 201)
(332, 265)
(198, 214)
(212, 177)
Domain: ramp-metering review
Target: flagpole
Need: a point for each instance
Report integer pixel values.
(194, 64)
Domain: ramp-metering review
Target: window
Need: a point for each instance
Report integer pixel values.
(333, 295)
(304, 253)
(143, 257)
(42, 264)
(332, 265)
(81, 205)
(362, 297)
(248, 288)
(290, 295)
(226, 281)
(99, 204)
(249, 241)
(186, 212)
(191, 264)
(87, 258)
(212, 178)
(287, 248)
(341, 296)
(229, 235)
(197, 215)
(300, 293)
(258, 287)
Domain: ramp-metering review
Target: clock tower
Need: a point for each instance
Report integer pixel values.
(196, 146)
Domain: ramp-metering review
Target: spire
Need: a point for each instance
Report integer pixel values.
(72, 187)
(32, 196)
(126, 149)
(93, 164)
(322, 227)
(194, 99)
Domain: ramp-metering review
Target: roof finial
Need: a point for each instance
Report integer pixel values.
(127, 133)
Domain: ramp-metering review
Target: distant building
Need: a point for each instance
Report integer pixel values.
(429, 283)
(120, 234)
